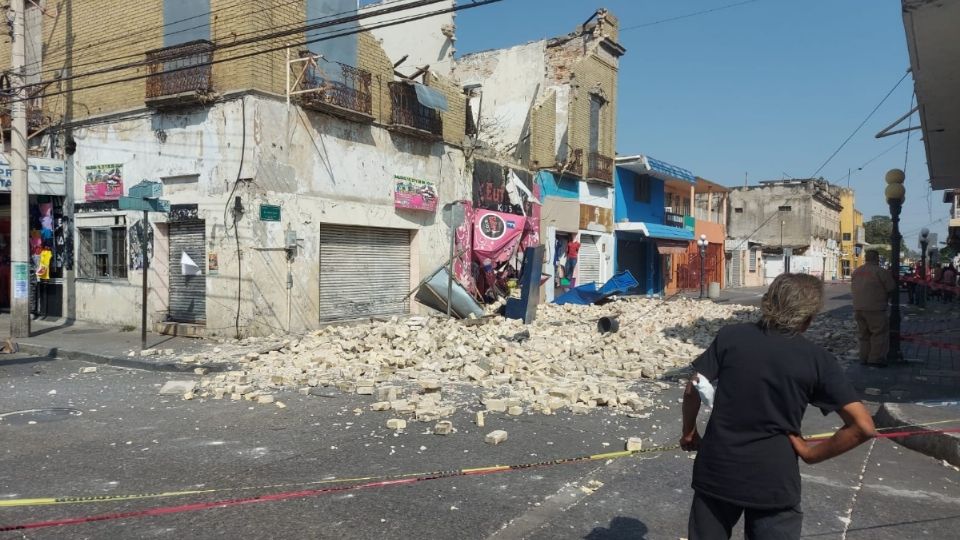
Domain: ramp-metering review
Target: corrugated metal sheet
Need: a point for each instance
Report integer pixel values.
(188, 294)
(364, 272)
(589, 260)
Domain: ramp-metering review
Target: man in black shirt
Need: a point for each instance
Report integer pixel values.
(766, 374)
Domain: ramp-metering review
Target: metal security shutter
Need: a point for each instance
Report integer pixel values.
(188, 294)
(589, 260)
(364, 272)
(736, 268)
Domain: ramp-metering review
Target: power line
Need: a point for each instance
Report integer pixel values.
(113, 43)
(859, 127)
(385, 24)
(258, 39)
(688, 15)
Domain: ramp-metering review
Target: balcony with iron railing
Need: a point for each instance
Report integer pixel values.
(411, 117)
(35, 118)
(180, 74)
(345, 93)
(600, 167)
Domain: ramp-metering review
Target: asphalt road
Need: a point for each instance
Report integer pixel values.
(118, 436)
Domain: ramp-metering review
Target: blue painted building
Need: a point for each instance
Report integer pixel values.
(648, 231)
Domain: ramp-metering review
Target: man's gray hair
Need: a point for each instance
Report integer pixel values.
(791, 302)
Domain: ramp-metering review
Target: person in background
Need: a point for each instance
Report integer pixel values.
(872, 287)
(767, 374)
(949, 279)
(573, 251)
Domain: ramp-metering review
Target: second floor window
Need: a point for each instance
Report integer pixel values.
(596, 118)
(846, 237)
(641, 191)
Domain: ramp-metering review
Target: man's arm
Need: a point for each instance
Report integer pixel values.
(858, 428)
(690, 437)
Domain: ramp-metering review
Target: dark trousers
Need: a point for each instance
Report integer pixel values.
(713, 519)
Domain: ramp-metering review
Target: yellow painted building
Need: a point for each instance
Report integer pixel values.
(852, 235)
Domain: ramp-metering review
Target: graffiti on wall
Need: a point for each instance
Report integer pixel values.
(135, 235)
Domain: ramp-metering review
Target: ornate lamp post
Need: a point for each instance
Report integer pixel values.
(895, 193)
(702, 244)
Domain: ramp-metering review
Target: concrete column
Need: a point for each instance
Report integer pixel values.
(693, 192)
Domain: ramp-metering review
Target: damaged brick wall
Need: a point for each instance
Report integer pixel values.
(543, 133)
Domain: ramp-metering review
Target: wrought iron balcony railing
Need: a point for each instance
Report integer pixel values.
(574, 163)
(412, 117)
(346, 93)
(181, 73)
(599, 167)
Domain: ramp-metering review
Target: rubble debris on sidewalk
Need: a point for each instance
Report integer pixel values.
(427, 367)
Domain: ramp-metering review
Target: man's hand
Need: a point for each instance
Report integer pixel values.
(800, 446)
(690, 442)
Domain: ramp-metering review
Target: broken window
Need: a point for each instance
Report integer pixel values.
(596, 111)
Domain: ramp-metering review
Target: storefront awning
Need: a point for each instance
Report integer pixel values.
(672, 247)
(656, 230)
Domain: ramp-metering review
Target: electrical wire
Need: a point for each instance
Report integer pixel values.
(859, 127)
(688, 15)
(256, 40)
(385, 24)
(114, 43)
(236, 230)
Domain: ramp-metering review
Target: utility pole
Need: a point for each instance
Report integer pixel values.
(19, 212)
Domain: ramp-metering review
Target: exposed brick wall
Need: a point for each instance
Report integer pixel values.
(371, 57)
(100, 36)
(543, 133)
(455, 119)
(592, 75)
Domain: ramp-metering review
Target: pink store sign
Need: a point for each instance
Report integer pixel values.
(414, 194)
(103, 183)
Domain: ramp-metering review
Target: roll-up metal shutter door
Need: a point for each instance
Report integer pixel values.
(589, 260)
(736, 268)
(364, 272)
(188, 294)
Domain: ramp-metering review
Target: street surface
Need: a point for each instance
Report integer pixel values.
(120, 437)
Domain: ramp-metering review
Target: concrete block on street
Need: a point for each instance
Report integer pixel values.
(90, 369)
(396, 423)
(495, 437)
(443, 427)
(634, 444)
(263, 400)
(172, 388)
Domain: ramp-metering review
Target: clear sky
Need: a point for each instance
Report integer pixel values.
(770, 88)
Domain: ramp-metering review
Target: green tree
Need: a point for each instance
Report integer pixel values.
(878, 230)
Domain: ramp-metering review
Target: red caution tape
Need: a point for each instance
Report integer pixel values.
(935, 344)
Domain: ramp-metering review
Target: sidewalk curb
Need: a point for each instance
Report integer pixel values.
(943, 446)
(129, 363)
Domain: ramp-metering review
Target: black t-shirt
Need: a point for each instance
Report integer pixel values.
(765, 380)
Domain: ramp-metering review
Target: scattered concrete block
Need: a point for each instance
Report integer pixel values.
(495, 405)
(189, 395)
(396, 424)
(380, 406)
(172, 388)
(516, 410)
(443, 427)
(495, 437)
(479, 419)
(263, 400)
(365, 390)
(148, 352)
(634, 444)
(281, 405)
(89, 369)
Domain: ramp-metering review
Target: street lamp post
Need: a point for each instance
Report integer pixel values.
(702, 244)
(921, 293)
(895, 193)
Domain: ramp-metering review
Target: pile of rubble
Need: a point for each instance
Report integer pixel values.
(426, 367)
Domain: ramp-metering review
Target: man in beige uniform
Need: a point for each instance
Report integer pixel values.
(872, 286)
